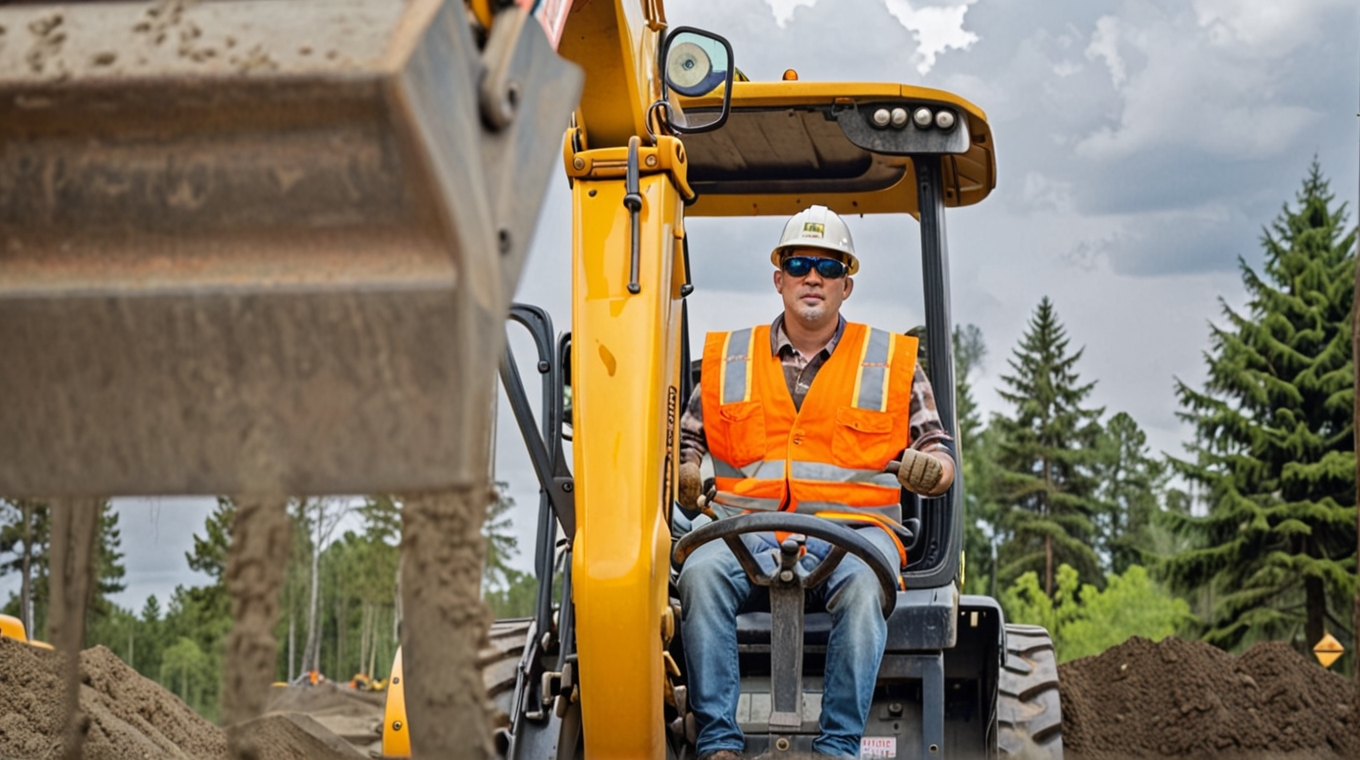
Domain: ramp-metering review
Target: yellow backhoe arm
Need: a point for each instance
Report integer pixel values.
(625, 374)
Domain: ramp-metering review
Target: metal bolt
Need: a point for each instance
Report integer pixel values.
(567, 487)
(396, 725)
(650, 160)
(786, 576)
(543, 368)
(781, 744)
(396, 680)
(934, 749)
(579, 164)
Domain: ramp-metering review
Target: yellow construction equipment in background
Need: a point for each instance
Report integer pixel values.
(12, 627)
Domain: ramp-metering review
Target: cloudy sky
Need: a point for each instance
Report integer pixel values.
(1142, 144)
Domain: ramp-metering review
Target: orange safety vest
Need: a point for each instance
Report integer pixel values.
(827, 456)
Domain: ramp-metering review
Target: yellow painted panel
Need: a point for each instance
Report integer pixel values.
(610, 39)
(625, 372)
(13, 628)
(396, 735)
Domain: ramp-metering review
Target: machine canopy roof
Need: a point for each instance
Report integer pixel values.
(790, 144)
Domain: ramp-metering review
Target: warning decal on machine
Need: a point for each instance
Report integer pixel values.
(878, 746)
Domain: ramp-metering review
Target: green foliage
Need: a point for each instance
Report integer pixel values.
(1273, 451)
(977, 450)
(516, 598)
(1130, 485)
(25, 526)
(1046, 455)
(1085, 620)
(191, 674)
(109, 572)
(501, 544)
(209, 555)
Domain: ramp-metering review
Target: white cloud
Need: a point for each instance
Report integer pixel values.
(1179, 90)
(1041, 191)
(1269, 27)
(1105, 45)
(783, 9)
(936, 28)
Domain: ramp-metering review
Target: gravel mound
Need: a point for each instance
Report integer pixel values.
(292, 736)
(1178, 698)
(131, 716)
(355, 716)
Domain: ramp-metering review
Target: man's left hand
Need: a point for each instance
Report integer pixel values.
(924, 472)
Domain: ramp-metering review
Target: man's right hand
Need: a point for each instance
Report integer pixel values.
(691, 487)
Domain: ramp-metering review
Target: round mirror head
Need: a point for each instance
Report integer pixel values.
(688, 67)
(696, 64)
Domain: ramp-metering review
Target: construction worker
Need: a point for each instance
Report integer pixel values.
(803, 415)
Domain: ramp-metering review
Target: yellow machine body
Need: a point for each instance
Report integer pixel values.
(12, 627)
(625, 371)
(626, 349)
(396, 735)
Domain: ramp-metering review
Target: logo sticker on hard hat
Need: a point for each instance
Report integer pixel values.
(814, 229)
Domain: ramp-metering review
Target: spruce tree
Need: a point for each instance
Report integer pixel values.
(979, 510)
(1131, 484)
(1046, 453)
(1273, 449)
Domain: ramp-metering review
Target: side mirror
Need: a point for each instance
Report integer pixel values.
(695, 63)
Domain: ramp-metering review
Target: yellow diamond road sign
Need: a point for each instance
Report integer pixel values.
(1328, 651)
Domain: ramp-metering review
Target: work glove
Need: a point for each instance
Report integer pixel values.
(691, 487)
(919, 472)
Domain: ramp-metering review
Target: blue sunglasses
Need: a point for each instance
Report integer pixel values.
(800, 266)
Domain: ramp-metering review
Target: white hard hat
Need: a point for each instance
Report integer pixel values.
(817, 227)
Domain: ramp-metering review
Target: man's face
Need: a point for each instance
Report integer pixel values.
(812, 298)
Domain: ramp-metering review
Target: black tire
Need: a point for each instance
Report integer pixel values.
(499, 661)
(1029, 708)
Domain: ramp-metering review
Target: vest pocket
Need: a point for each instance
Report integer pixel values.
(742, 426)
(864, 438)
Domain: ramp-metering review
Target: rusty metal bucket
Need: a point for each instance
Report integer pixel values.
(263, 246)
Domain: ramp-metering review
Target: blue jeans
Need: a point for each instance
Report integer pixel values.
(714, 589)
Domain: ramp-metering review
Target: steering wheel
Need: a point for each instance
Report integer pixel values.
(843, 540)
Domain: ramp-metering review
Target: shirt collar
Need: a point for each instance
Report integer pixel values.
(779, 339)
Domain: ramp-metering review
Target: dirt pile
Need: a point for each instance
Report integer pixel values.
(1180, 698)
(355, 716)
(292, 736)
(130, 716)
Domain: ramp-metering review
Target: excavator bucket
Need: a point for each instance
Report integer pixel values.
(263, 246)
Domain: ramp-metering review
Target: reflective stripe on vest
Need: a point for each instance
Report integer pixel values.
(736, 366)
(778, 459)
(871, 383)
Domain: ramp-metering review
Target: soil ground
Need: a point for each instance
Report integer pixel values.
(1178, 698)
(1141, 699)
(131, 716)
(355, 716)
